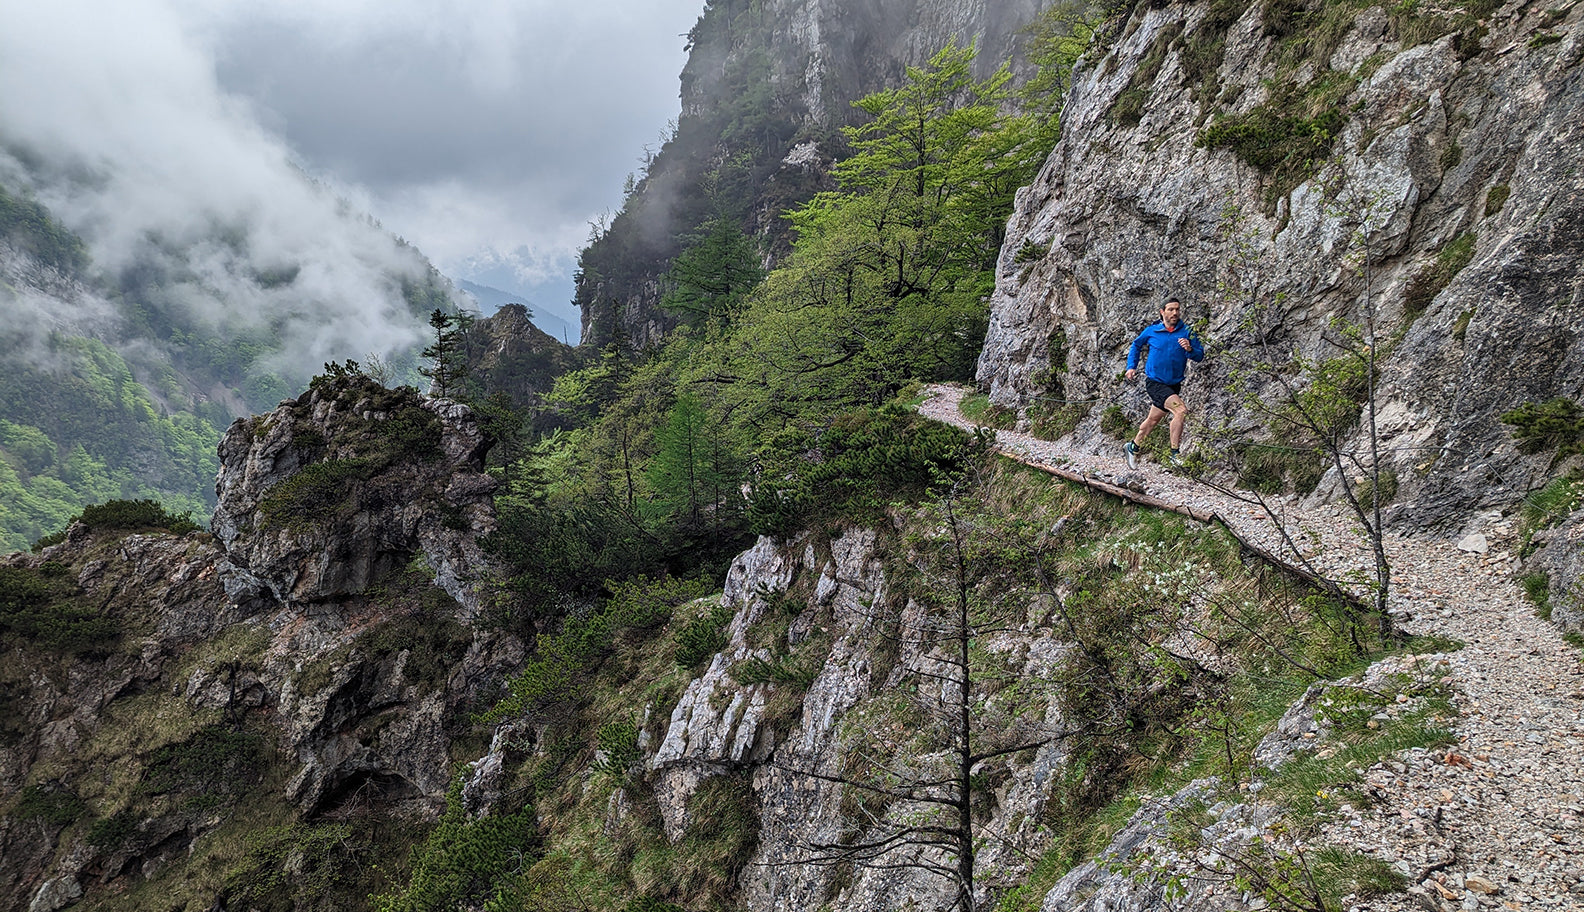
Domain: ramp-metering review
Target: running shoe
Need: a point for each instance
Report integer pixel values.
(1132, 454)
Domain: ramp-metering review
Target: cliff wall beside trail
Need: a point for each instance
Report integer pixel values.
(1289, 168)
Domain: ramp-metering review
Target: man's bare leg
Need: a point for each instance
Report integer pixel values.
(1179, 413)
(1154, 417)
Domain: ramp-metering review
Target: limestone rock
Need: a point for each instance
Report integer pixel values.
(339, 488)
(1463, 140)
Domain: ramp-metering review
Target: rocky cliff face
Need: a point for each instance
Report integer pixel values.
(1442, 154)
(331, 492)
(764, 90)
(796, 754)
(312, 661)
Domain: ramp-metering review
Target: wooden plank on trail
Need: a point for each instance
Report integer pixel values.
(1145, 500)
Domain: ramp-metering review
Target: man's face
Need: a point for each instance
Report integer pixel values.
(1171, 313)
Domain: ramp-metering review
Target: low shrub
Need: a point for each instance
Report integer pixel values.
(1555, 424)
(41, 606)
(703, 636)
(126, 516)
(465, 860)
(215, 760)
(1114, 423)
(315, 491)
(854, 468)
(50, 802)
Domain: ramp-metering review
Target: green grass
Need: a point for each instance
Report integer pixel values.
(1550, 506)
(976, 407)
(1537, 588)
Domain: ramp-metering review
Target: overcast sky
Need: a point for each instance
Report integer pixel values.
(489, 133)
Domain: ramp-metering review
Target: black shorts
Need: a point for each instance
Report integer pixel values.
(1160, 392)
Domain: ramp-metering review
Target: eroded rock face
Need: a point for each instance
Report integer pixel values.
(1561, 558)
(309, 624)
(838, 590)
(1470, 140)
(344, 485)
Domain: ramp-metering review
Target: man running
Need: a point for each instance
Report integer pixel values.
(1171, 346)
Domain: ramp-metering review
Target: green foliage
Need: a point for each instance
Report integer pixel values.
(617, 743)
(1309, 418)
(465, 860)
(28, 226)
(888, 274)
(111, 832)
(291, 866)
(1289, 137)
(1537, 588)
(136, 515)
(217, 760)
(864, 461)
(714, 273)
(977, 408)
(1114, 423)
(561, 660)
(316, 490)
(50, 802)
(41, 607)
(693, 472)
(92, 433)
(1429, 282)
(1551, 505)
(377, 429)
(1274, 469)
(1556, 424)
(1461, 325)
(447, 369)
(1368, 489)
(703, 636)
(1055, 40)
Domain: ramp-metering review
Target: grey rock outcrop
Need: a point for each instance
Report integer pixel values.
(839, 591)
(304, 625)
(1471, 139)
(314, 504)
(1560, 556)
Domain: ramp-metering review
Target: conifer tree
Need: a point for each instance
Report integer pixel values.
(447, 359)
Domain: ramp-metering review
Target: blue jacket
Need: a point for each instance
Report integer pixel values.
(1167, 362)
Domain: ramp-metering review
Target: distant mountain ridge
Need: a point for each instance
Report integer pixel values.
(562, 325)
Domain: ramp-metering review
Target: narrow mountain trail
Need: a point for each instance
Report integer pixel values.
(1496, 821)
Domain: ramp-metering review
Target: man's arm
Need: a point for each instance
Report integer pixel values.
(1135, 348)
(1196, 349)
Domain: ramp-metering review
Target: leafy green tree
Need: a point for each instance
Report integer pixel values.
(888, 274)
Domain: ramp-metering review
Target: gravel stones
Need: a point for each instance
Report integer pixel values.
(1494, 822)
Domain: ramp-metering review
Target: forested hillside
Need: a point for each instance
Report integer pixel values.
(119, 378)
(710, 615)
(767, 90)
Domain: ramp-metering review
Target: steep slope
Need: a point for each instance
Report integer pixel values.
(1289, 167)
(181, 711)
(765, 89)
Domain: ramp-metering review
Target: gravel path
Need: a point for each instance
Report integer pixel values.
(1496, 822)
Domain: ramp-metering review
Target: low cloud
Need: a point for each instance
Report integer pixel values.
(111, 117)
